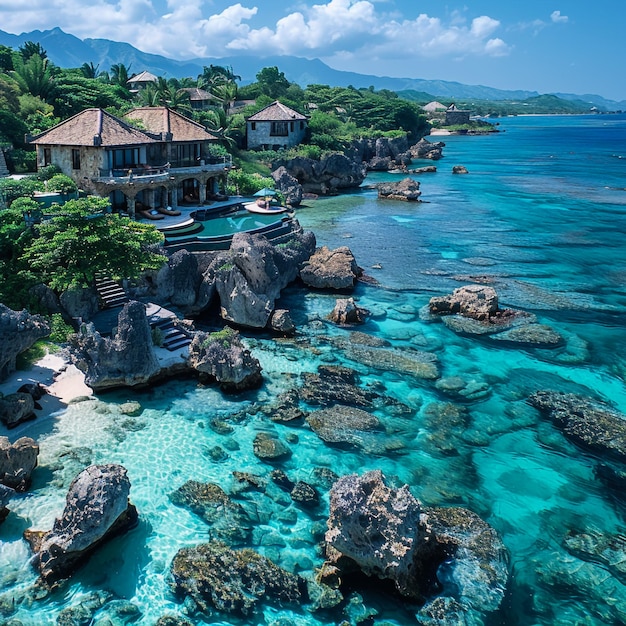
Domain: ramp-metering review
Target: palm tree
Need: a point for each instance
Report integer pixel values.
(90, 70)
(34, 76)
(120, 74)
(30, 48)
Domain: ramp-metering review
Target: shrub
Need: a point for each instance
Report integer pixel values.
(60, 330)
(62, 184)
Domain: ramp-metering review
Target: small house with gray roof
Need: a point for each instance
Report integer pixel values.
(276, 126)
(160, 164)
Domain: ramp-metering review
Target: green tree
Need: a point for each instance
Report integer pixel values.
(35, 75)
(272, 82)
(30, 49)
(6, 58)
(89, 70)
(82, 239)
(119, 74)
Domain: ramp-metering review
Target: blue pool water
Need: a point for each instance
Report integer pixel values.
(542, 213)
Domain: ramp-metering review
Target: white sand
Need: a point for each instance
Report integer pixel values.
(62, 381)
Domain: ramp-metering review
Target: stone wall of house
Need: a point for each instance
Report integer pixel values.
(91, 162)
(261, 135)
(457, 117)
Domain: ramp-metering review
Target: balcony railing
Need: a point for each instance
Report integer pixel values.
(148, 173)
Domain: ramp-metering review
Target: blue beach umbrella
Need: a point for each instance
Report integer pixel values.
(266, 191)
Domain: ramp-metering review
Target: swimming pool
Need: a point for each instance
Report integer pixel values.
(214, 229)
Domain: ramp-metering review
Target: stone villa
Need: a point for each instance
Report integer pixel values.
(274, 127)
(160, 159)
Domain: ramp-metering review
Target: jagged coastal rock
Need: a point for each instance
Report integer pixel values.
(125, 359)
(331, 269)
(590, 424)
(288, 185)
(16, 408)
(19, 330)
(386, 533)
(327, 176)
(17, 462)
(475, 310)
(249, 277)
(407, 190)
(222, 357)
(6, 493)
(97, 508)
(347, 312)
(216, 577)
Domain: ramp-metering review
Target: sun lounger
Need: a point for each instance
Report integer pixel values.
(167, 211)
(151, 214)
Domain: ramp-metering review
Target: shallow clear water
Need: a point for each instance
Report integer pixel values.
(235, 223)
(542, 212)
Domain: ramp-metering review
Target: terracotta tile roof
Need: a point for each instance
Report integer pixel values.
(276, 112)
(93, 127)
(164, 120)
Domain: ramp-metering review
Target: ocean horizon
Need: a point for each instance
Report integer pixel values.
(540, 217)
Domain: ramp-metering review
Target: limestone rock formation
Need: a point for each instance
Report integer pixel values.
(347, 312)
(407, 190)
(327, 176)
(19, 330)
(387, 533)
(288, 185)
(80, 303)
(249, 277)
(6, 493)
(221, 356)
(590, 424)
(425, 149)
(382, 531)
(17, 462)
(178, 280)
(125, 359)
(228, 520)
(214, 576)
(97, 508)
(16, 408)
(459, 169)
(331, 269)
(281, 322)
(475, 310)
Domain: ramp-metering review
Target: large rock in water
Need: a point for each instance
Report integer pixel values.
(214, 576)
(388, 534)
(125, 359)
(407, 189)
(590, 424)
(331, 269)
(6, 493)
(221, 356)
(288, 185)
(19, 330)
(249, 277)
(17, 462)
(97, 508)
(327, 176)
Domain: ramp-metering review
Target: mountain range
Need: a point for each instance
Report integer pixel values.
(66, 50)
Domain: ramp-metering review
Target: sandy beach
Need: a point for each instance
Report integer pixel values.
(62, 380)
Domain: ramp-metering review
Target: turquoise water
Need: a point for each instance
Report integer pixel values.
(542, 213)
(235, 223)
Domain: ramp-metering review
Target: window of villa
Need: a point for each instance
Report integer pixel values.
(75, 159)
(47, 156)
(252, 125)
(279, 129)
(125, 158)
(291, 127)
(301, 125)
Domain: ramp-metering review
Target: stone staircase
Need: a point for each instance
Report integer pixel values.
(110, 293)
(4, 170)
(173, 337)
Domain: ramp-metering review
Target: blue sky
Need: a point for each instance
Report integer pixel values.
(571, 46)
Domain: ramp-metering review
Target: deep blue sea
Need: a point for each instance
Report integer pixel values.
(542, 216)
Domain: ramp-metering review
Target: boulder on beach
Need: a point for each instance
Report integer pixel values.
(16, 408)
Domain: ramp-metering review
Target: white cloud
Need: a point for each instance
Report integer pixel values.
(332, 29)
(556, 17)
